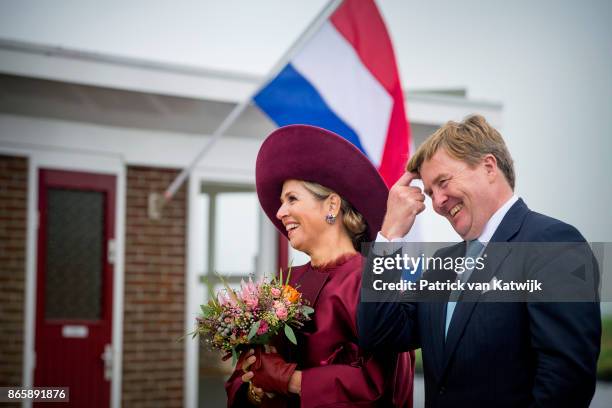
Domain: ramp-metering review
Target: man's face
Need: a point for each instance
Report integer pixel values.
(460, 193)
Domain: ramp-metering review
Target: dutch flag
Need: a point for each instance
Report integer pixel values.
(345, 79)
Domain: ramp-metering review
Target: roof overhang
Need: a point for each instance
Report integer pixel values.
(62, 83)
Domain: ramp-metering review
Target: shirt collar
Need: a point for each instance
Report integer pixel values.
(495, 220)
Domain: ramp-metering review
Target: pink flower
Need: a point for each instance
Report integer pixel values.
(251, 302)
(281, 313)
(249, 293)
(280, 309)
(225, 299)
(276, 292)
(263, 327)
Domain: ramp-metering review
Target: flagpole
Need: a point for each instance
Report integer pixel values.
(312, 28)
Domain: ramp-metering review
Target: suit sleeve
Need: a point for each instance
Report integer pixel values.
(389, 325)
(392, 322)
(565, 336)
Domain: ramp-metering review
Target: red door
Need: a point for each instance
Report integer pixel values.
(74, 285)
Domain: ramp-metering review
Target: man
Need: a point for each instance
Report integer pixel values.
(479, 354)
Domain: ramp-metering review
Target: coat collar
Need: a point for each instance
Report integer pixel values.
(511, 222)
(311, 279)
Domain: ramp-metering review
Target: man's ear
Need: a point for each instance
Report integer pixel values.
(490, 165)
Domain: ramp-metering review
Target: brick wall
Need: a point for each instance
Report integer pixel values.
(154, 293)
(13, 216)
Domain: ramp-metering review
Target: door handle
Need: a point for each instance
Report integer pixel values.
(111, 253)
(107, 357)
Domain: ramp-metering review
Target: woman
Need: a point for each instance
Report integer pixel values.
(331, 200)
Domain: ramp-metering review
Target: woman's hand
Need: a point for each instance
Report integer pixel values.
(248, 375)
(295, 382)
(273, 373)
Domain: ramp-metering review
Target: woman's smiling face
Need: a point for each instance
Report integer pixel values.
(303, 215)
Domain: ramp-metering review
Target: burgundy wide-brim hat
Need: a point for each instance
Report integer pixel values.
(317, 155)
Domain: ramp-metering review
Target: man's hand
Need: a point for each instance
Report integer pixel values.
(403, 205)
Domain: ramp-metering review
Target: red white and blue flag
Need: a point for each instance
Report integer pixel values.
(345, 79)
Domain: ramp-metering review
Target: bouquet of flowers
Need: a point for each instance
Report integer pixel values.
(251, 315)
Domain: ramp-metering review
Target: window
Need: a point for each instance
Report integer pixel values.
(229, 220)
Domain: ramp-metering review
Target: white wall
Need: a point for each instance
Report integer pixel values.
(231, 160)
(549, 63)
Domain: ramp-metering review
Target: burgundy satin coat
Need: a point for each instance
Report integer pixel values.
(335, 371)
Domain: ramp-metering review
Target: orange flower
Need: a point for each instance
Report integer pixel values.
(291, 294)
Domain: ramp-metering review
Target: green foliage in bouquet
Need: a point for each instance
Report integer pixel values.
(252, 315)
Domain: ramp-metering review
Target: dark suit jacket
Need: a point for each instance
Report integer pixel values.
(498, 354)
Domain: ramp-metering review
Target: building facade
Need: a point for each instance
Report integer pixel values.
(97, 287)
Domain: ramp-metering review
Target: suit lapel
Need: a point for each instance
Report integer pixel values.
(438, 313)
(438, 309)
(495, 256)
(469, 300)
(512, 222)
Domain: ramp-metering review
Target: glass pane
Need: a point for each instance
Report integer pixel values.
(75, 242)
(201, 235)
(201, 242)
(236, 231)
(219, 287)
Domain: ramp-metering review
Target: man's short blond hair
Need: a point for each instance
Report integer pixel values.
(468, 141)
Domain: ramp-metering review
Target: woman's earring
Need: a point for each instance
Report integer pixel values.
(330, 218)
